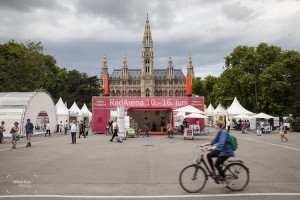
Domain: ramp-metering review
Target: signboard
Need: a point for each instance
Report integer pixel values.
(145, 102)
(276, 121)
(189, 132)
(121, 121)
(103, 105)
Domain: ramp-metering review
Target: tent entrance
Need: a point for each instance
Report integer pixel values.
(155, 118)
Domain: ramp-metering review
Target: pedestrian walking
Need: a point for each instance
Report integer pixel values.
(66, 126)
(115, 130)
(60, 126)
(29, 131)
(258, 129)
(2, 130)
(47, 129)
(244, 127)
(228, 124)
(14, 131)
(81, 129)
(262, 124)
(282, 132)
(247, 126)
(73, 131)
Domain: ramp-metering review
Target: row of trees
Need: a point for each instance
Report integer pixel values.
(25, 68)
(275, 73)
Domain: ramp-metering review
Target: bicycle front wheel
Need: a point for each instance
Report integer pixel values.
(193, 178)
(238, 176)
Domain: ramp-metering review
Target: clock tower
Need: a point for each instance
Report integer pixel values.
(147, 73)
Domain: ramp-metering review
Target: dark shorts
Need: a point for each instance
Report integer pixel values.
(28, 136)
(1, 135)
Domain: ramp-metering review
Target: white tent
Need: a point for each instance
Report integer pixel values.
(75, 112)
(62, 111)
(220, 110)
(86, 113)
(20, 106)
(195, 115)
(189, 109)
(209, 111)
(262, 116)
(242, 116)
(236, 108)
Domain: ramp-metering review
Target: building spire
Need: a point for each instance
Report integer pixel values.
(170, 67)
(190, 68)
(125, 67)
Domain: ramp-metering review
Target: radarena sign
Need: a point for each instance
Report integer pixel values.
(103, 105)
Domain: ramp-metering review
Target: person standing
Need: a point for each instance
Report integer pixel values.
(60, 126)
(228, 124)
(14, 131)
(243, 124)
(47, 129)
(29, 131)
(2, 130)
(169, 130)
(258, 129)
(282, 132)
(66, 125)
(262, 126)
(247, 126)
(73, 131)
(115, 130)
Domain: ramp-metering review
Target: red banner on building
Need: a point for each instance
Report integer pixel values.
(146, 102)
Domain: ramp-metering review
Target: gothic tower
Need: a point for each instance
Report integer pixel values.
(190, 68)
(104, 70)
(147, 73)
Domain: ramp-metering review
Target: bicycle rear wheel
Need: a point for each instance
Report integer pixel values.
(192, 178)
(238, 176)
(205, 132)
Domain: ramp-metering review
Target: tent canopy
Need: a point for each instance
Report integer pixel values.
(74, 110)
(195, 115)
(236, 108)
(61, 108)
(209, 111)
(85, 111)
(220, 110)
(262, 116)
(242, 116)
(20, 106)
(189, 109)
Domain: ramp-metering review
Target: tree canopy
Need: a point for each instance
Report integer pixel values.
(275, 72)
(25, 68)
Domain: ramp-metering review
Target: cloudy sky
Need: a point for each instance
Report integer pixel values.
(78, 33)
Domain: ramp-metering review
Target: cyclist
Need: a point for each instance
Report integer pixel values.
(222, 150)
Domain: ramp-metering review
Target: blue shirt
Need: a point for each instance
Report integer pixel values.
(29, 127)
(223, 144)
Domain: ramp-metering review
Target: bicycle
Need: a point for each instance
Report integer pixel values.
(236, 173)
(198, 132)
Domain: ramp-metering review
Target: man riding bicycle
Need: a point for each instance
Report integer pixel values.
(221, 148)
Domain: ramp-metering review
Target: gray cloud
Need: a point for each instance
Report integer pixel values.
(237, 12)
(27, 5)
(78, 33)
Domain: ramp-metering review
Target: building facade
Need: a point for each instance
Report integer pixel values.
(147, 81)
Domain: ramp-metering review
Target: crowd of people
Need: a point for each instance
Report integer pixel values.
(29, 128)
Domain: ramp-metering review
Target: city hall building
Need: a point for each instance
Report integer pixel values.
(148, 80)
(149, 94)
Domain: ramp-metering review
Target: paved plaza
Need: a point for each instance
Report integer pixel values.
(138, 168)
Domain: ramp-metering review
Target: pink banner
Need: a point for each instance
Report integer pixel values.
(145, 102)
(103, 105)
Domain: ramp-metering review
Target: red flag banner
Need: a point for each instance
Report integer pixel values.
(188, 85)
(106, 85)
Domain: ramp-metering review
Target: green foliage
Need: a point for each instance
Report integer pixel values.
(25, 68)
(275, 72)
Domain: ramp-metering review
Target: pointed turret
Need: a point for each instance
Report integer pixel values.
(170, 67)
(125, 68)
(190, 68)
(147, 72)
(104, 70)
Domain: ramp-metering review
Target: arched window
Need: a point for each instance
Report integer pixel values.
(165, 93)
(147, 92)
(147, 66)
(138, 93)
(171, 93)
(129, 93)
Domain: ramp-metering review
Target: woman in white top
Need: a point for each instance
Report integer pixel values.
(73, 131)
(47, 129)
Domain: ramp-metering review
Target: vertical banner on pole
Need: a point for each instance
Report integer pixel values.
(106, 85)
(188, 85)
(121, 121)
